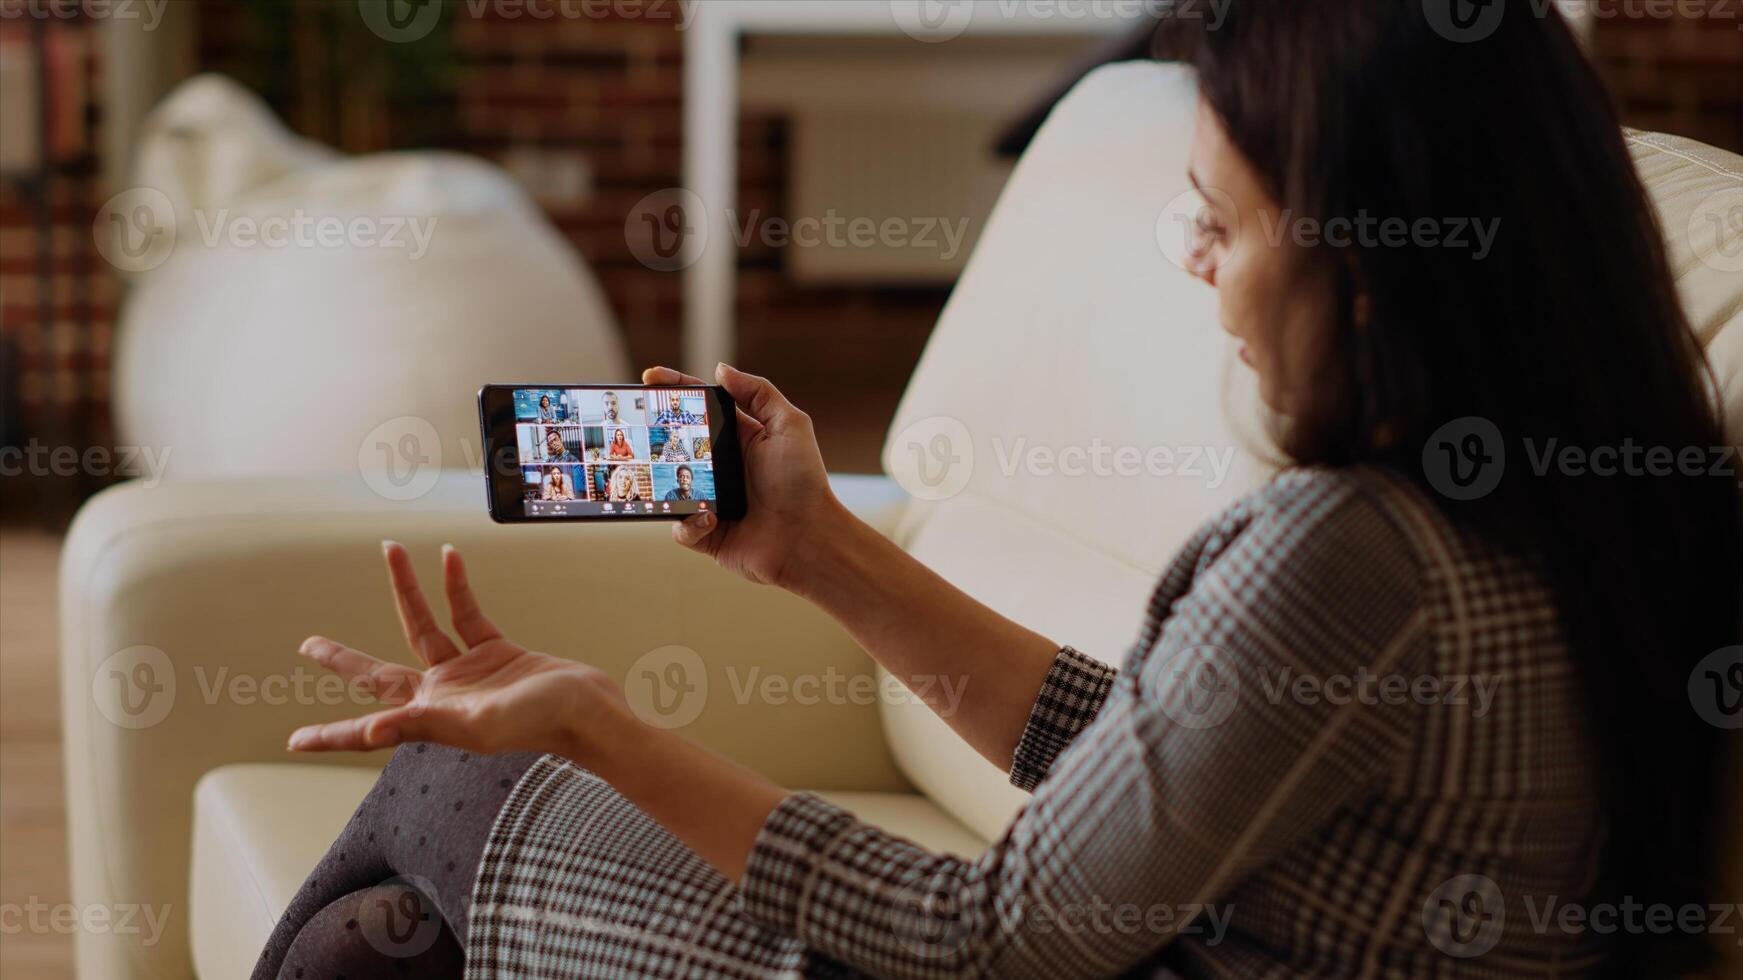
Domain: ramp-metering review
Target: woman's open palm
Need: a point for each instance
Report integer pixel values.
(492, 695)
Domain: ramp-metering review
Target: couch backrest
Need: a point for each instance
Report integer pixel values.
(1071, 343)
(1078, 413)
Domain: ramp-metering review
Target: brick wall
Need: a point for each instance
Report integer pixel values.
(1676, 74)
(54, 328)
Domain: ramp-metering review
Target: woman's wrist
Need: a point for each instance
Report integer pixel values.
(823, 552)
(598, 726)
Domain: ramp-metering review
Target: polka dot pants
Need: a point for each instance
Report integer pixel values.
(392, 895)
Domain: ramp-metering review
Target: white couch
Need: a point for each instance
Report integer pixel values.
(1066, 318)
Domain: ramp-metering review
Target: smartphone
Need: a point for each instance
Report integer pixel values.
(556, 452)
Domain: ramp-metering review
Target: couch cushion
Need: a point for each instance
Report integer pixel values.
(260, 829)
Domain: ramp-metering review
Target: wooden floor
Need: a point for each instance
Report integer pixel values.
(33, 840)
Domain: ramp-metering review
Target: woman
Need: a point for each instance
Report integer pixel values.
(620, 447)
(624, 485)
(1391, 837)
(546, 412)
(557, 486)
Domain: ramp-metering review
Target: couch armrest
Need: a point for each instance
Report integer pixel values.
(182, 605)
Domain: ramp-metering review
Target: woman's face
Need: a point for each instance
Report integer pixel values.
(1266, 298)
(618, 438)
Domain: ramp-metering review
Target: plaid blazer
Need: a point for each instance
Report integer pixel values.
(1346, 743)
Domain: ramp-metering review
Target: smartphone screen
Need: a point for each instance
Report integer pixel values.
(595, 452)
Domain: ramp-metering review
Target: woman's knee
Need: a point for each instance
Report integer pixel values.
(378, 931)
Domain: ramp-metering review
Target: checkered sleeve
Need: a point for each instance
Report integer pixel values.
(1072, 695)
(1192, 775)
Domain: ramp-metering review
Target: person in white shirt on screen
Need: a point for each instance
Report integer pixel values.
(675, 451)
(609, 400)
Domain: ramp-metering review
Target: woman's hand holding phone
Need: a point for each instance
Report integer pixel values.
(791, 507)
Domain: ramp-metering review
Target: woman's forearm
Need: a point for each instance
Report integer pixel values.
(978, 670)
(709, 802)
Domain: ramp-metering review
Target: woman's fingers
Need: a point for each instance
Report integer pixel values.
(469, 620)
(669, 376)
(387, 683)
(693, 531)
(350, 735)
(747, 426)
(759, 398)
(421, 632)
